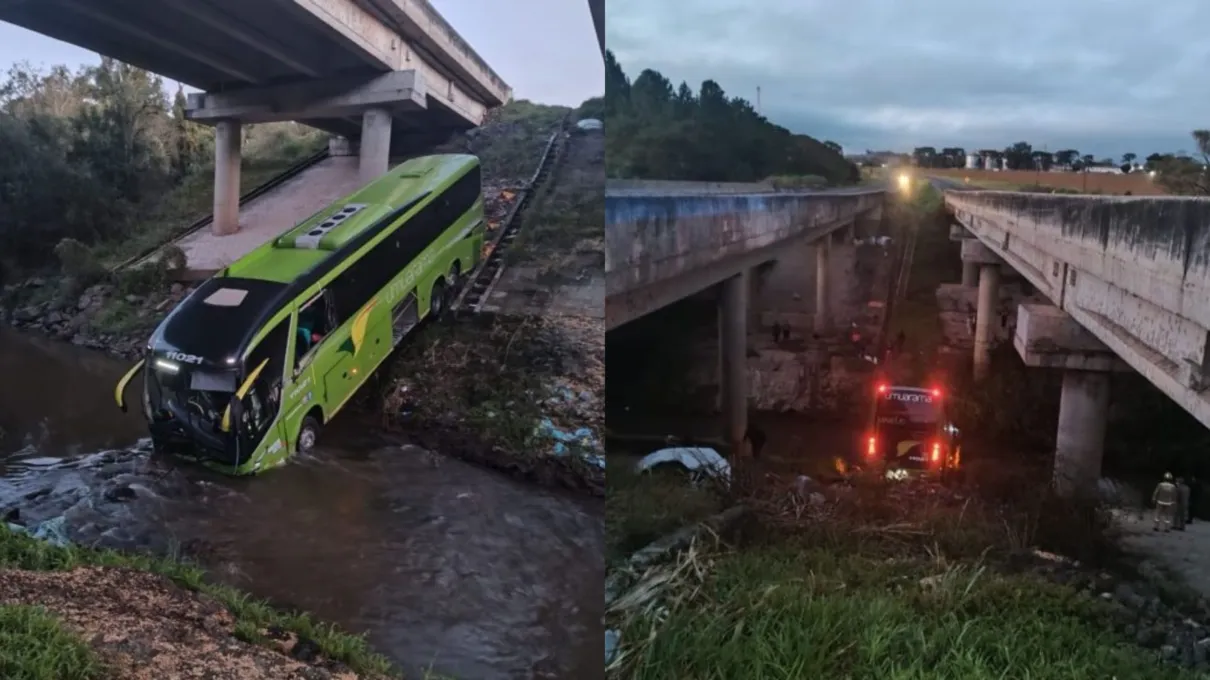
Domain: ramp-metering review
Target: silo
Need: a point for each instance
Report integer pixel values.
(972, 161)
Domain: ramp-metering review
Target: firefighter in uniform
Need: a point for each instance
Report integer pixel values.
(1165, 498)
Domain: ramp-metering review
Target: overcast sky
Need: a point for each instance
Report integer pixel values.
(545, 49)
(1101, 76)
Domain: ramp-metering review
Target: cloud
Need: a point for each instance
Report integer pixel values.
(1103, 76)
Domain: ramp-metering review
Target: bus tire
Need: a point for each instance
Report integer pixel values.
(438, 299)
(308, 434)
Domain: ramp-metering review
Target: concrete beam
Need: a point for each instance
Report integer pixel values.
(219, 64)
(429, 32)
(330, 98)
(382, 46)
(1047, 337)
(662, 247)
(976, 253)
(251, 38)
(957, 233)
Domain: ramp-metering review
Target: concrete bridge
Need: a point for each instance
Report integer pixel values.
(390, 74)
(1128, 280)
(665, 241)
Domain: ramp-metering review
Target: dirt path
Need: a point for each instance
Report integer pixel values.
(1185, 553)
(144, 627)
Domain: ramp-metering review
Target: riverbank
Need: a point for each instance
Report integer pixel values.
(911, 580)
(518, 394)
(71, 613)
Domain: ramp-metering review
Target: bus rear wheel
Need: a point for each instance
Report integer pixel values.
(308, 434)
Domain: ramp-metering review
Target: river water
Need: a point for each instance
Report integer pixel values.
(444, 565)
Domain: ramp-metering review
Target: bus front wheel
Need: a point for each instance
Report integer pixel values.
(308, 434)
(438, 299)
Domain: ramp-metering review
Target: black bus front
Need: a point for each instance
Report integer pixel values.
(186, 404)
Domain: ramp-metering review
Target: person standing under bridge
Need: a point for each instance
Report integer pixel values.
(1195, 493)
(1165, 498)
(1182, 504)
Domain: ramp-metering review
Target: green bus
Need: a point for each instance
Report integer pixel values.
(246, 370)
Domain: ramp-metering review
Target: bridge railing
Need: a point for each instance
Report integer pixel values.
(652, 235)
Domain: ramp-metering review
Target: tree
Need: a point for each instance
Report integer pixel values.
(88, 155)
(834, 146)
(1066, 157)
(925, 156)
(1128, 158)
(658, 132)
(1019, 156)
(1182, 174)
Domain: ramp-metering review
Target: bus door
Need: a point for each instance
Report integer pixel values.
(258, 416)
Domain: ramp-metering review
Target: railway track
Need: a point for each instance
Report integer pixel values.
(482, 281)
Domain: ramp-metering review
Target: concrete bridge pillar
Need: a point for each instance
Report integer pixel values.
(375, 147)
(1047, 337)
(970, 269)
(1080, 441)
(823, 296)
(970, 274)
(988, 264)
(227, 135)
(733, 359)
(985, 314)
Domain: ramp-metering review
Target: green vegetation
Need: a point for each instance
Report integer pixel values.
(102, 157)
(881, 581)
(511, 139)
(642, 507)
(657, 131)
(18, 551)
(33, 646)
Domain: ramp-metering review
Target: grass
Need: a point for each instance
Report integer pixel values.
(642, 507)
(885, 581)
(18, 551)
(511, 139)
(33, 646)
(794, 611)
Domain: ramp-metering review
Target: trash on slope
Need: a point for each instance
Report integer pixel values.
(53, 531)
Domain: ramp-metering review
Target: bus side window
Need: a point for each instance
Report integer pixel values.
(315, 321)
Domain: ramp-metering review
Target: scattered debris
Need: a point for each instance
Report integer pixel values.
(698, 460)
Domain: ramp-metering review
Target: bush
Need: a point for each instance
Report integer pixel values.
(146, 279)
(78, 261)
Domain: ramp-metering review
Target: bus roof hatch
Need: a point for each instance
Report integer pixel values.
(311, 239)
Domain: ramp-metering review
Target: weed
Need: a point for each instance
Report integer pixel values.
(34, 646)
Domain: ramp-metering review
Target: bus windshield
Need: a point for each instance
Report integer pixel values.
(907, 407)
(179, 389)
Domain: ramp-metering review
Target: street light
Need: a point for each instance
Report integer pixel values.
(905, 182)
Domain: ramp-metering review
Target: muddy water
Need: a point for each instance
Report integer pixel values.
(444, 565)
